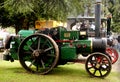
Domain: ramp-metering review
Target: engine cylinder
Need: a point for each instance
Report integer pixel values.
(99, 45)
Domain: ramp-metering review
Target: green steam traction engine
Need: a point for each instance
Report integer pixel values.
(41, 51)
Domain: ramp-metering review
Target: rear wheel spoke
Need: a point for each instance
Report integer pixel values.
(31, 63)
(43, 64)
(27, 52)
(51, 55)
(30, 47)
(45, 42)
(50, 48)
(37, 67)
(31, 40)
(39, 43)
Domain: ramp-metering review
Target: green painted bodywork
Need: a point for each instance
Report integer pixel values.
(25, 33)
(71, 35)
(83, 46)
(68, 50)
(14, 45)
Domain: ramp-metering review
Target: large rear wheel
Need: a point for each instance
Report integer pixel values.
(38, 53)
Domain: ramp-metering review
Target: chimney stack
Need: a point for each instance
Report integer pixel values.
(97, 18)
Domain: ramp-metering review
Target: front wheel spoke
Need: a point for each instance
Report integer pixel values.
(43, 64)
(95, 71)
(100, 72)
(94, 58)
(93, 62)
(107, 66)
(31, 63)
(50, 48)
(90, 68)
(102, 59)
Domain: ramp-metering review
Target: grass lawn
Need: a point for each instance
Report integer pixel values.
(13, 72)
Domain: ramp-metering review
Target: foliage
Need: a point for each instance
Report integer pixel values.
(18, 6)
(17, 12)
(54, 9)
(10, 30)
(114, 7)
(116, 27)
(4, 17)
(22, 13)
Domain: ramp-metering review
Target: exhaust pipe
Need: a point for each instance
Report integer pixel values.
(97, 18)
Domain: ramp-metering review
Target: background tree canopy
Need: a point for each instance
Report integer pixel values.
(114, 8)
(22, 13)
(19, 12)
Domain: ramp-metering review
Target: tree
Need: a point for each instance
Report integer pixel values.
(114, 7)
(22, 13)
(4, 17)
(55, 9)
(19, 12)
(116, 17)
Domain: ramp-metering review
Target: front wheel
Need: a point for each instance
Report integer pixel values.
(38, 53)
(98, 65)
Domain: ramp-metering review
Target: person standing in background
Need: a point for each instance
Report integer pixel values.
(109, 24)
(118, 45)
(76, 26)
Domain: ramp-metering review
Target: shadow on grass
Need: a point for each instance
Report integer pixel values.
(66, 70)
(71, 73)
